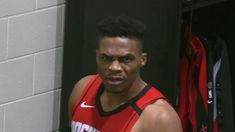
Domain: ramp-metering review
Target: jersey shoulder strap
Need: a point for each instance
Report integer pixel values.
(151, 94)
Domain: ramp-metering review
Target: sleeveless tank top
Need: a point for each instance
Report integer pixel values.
(88, 115)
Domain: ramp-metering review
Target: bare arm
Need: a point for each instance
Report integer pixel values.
(76, 93)
(158, 117)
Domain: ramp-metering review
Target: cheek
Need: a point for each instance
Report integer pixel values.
(132, 69)
(99, 66)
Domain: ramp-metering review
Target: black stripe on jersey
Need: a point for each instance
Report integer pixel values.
(121, 107)
(136, 108)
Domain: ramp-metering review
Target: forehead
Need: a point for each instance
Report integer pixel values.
(120, 45)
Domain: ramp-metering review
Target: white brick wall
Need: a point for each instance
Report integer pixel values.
(34, 114)
(12, 7)
(1, 118)
(47, 3)
(31, 50)
(16, 79)
(3, 38)
(48, 67)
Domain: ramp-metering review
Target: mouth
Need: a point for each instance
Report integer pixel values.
(114, 80)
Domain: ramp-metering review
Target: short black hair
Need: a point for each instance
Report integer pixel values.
(121, 26)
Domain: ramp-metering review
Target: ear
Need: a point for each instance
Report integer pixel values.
(143, 59)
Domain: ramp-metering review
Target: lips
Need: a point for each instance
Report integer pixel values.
(114, 80)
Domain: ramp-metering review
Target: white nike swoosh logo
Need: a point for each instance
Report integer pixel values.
(84, 105)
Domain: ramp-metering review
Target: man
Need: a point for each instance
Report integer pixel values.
(117, 99)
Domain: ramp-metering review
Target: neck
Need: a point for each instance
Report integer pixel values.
(111, 101)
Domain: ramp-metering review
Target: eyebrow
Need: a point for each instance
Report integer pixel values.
(124, 55)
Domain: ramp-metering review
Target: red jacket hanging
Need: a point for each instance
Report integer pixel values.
(193, 96)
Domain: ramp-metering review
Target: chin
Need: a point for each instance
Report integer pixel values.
(114, 88)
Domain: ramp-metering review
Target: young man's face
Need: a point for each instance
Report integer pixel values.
(119, 60)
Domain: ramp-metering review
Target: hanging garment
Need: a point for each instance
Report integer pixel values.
(220, 83)
(192, 106)
(213, 65)
(205, 97)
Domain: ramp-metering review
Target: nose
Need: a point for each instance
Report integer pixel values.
(115, 66)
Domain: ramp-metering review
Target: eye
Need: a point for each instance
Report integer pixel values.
(126, 59)
(105, 58)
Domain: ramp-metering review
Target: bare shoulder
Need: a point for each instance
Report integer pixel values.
(77, 90)
(159, 116)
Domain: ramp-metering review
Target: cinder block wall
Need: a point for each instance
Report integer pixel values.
(31, 48)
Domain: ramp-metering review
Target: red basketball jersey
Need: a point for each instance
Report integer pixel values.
(88, 115)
